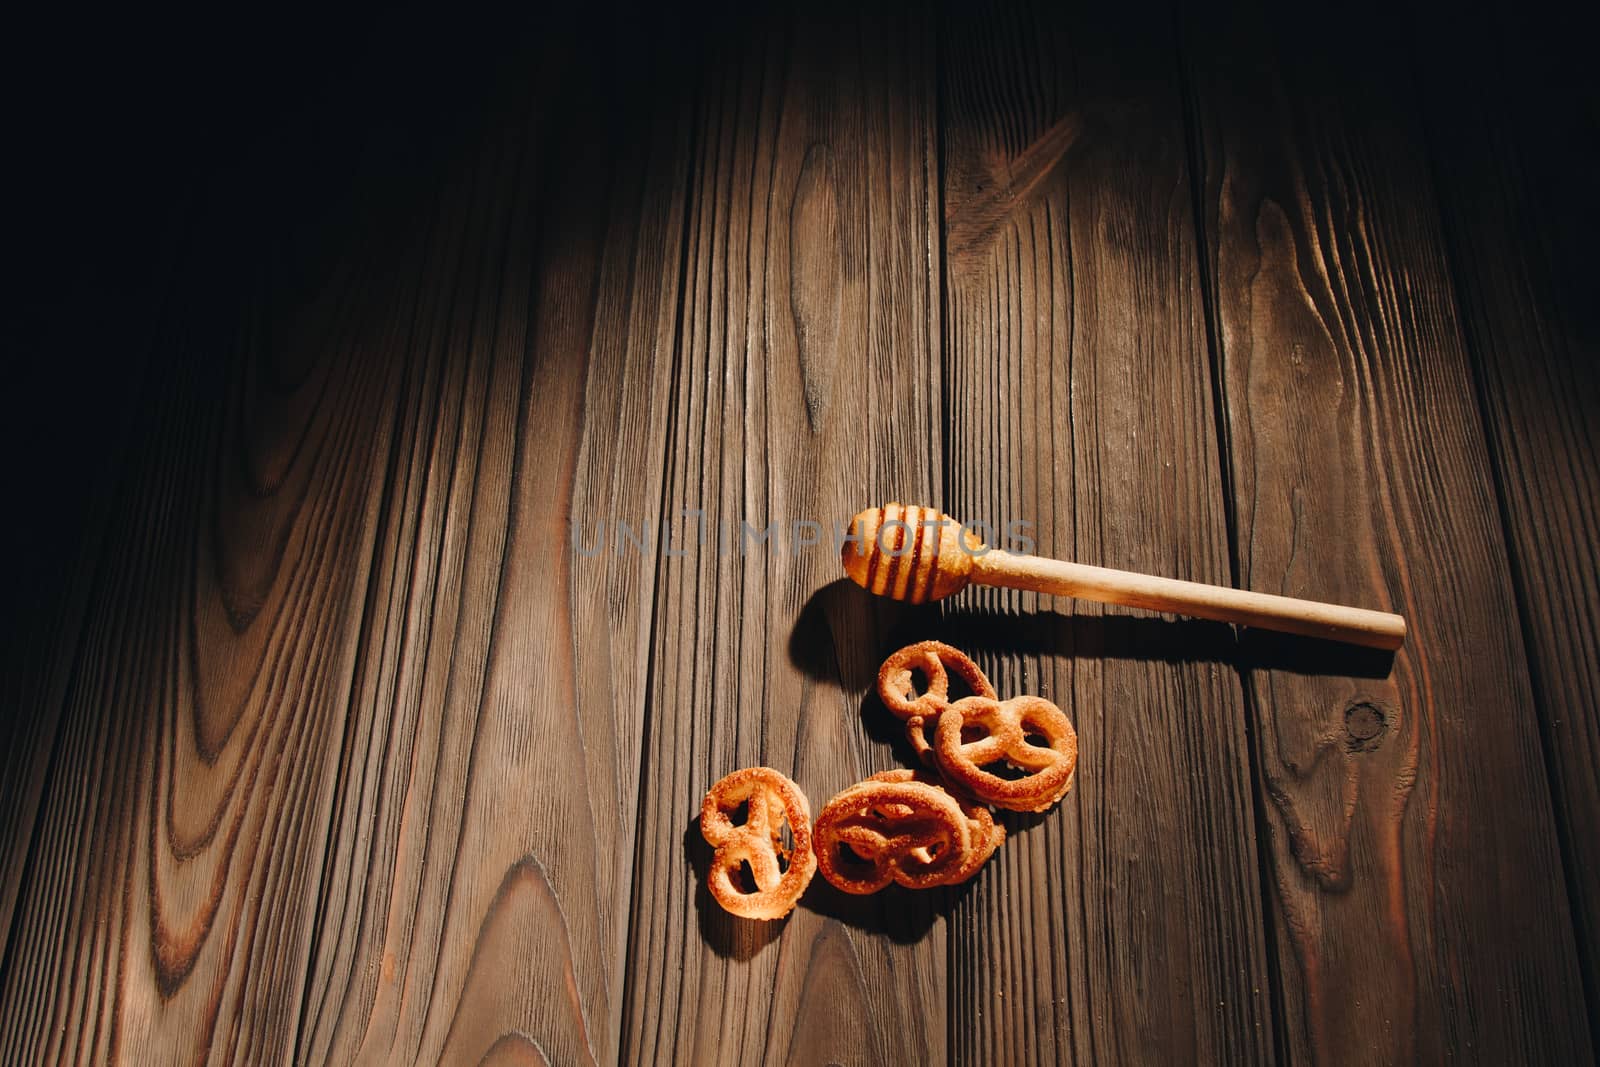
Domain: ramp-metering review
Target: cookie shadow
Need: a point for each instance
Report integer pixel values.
(902, 915)
(730, 936)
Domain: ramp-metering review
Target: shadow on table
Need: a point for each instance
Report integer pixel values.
(837, 637)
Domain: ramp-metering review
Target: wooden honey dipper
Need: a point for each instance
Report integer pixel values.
(917, 554)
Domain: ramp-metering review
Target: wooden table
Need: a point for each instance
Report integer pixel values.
(347, 723)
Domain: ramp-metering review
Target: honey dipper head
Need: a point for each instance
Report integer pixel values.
(909, 553)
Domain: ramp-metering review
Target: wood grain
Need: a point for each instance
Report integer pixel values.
(1511, 160)
(344, 722)
(64, 511)
(1417, 889)
(1126, 924)
(180, 839)
(806, 388)
(479, 873)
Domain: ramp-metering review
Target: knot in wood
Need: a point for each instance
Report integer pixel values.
(1364, 726)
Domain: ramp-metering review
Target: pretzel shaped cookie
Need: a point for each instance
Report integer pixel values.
(772, 800)
(984, 833)
(935, 660)
(901, 827)
(1008, 729)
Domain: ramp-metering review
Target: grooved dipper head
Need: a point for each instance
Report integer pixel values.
(909, 553)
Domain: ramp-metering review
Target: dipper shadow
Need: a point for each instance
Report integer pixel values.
(1266, 650)
(1155, 639)
(839, 636)
(838, 633)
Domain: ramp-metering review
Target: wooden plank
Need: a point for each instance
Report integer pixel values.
(806, 388)
(76, 456)
(181, 835)
(1512, 148)
(477, 897)
(1126, 925)
(1418, 900)
(173, 901)
(100, 245)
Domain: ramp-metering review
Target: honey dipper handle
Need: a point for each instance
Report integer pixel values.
(1374, 629)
